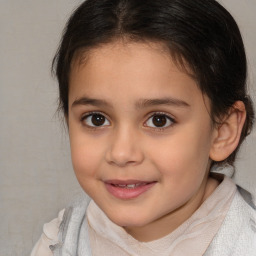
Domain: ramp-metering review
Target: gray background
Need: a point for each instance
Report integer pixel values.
(36, 177)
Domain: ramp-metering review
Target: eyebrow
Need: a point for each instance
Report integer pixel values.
(143, 103)
(140, 104)
(90, 101)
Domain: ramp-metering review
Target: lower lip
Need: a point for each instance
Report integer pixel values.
(128, 193)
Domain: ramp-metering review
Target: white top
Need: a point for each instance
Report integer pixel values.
(191, 238)
(49, 237)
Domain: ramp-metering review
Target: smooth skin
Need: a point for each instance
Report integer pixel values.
(134, 115)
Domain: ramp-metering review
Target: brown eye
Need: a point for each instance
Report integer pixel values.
(159, 121)
(96, 120)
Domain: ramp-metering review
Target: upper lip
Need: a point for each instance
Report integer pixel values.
(126, 182)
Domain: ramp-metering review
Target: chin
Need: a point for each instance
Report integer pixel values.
(130, 220)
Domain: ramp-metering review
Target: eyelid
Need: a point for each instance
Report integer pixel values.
(94, 112)
(90, 113)
(168, 116)
(155, 113)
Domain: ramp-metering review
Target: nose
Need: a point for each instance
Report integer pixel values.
(124, 148)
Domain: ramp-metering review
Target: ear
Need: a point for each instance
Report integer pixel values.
(227, 135)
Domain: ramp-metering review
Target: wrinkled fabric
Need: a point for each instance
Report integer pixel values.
(49, 237)
(237, 235)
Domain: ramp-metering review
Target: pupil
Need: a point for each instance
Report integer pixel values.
(98, 120)
(159, 121)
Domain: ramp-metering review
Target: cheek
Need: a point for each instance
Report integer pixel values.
(185, 154)
(86, 156)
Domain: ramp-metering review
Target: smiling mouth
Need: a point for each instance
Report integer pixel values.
(128, 189)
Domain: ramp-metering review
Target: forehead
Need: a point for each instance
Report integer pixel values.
(119, 50)
(142, 70)
(128, 47)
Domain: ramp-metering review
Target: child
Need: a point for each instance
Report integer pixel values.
(154, 96)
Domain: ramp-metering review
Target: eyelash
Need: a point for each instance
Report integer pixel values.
(160, 129)
(151, 115)
(83, 118)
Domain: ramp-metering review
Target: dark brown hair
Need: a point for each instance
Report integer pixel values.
(200, 32)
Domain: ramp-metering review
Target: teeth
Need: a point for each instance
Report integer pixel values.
(130, 186)
(121, 185)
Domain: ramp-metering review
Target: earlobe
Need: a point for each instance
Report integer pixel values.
(227, 134)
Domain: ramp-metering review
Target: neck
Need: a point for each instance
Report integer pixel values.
(168, 223)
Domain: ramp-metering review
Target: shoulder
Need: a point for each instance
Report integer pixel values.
(244, 208)
(49, 237)
(55, 232)
(64, 233)
(237, 235)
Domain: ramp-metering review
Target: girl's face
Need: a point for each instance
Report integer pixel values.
(140, 136)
